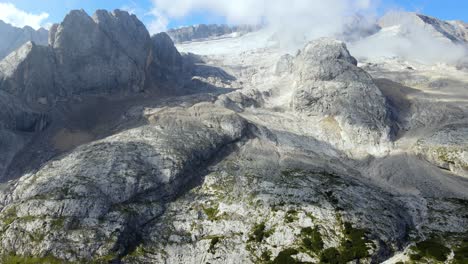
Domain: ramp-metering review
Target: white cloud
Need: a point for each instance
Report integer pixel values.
(292, 18)
(19, 18)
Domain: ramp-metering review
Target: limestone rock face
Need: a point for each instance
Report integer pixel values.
(104, 53)
(29, 73)
(328, 83)
(17, 123)
(12, 37)
(447, 148)
(167, 62)
(94, 201)
(108, 53)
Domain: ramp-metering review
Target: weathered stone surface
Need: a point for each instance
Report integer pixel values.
(93, 201)
(108, 52)
(329, 83)
(12, 37)
(167, 63)
(29, 74)
(447, 148)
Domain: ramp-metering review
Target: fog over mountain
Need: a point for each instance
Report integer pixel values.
(317, 133)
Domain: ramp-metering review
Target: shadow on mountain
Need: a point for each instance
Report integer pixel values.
(88, 118)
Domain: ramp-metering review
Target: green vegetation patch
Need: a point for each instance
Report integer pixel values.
(211, 212)
(352, 247)
(14, 259)
(461, 254)
(311, 239)
(9, 216)
(214, 241)
(291, 216)
(330, 255)
(285, 257)
(433, 249)
(259, 233)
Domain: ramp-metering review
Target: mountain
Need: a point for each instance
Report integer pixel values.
(453, 31)
(106, 53)
(13, 37)
(202, 31)
(416, 37)
(118, 148)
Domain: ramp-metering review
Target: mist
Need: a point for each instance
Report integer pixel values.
(292, 20)
(296, 21)
(407, 38)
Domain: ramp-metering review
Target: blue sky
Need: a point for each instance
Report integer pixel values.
(57, 9)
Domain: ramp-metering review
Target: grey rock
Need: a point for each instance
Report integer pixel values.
(447, 148)
(11, 38)
(29, 73)
(106, 53)
(17, 125)
(328, 83)
(109, 53)
(167, 63)
(200, 32)
(102, 193)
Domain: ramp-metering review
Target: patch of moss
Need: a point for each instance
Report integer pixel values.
(259, 232)
(9, 216)
(433, 249)
(214, 241)
(352, 247)
(57, 223)
(291, 216)
(285, 257)
(311, 240)
(211, 212)
(331, 256)
(266, 256)
(461, 254)
(138, 252)
(105, 259)
(14, 259)
(36, 236)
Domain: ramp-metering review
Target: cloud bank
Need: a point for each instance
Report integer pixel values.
(292, 18)
(405, 36)
(19, 18)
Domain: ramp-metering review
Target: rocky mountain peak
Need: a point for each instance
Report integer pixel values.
(327, 49)
(13, 37)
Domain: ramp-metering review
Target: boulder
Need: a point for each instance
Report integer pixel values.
(329, 83)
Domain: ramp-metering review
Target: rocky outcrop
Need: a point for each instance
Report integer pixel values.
(203, 31)
(447, 148)
(12, 37)
(93, 202)
(108, 52)
(329, 83)
(103, 54)
(167, 63)
(17, 124)
(29, 74)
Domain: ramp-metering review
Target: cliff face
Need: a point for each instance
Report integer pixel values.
(13, 37)
(106, 53)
